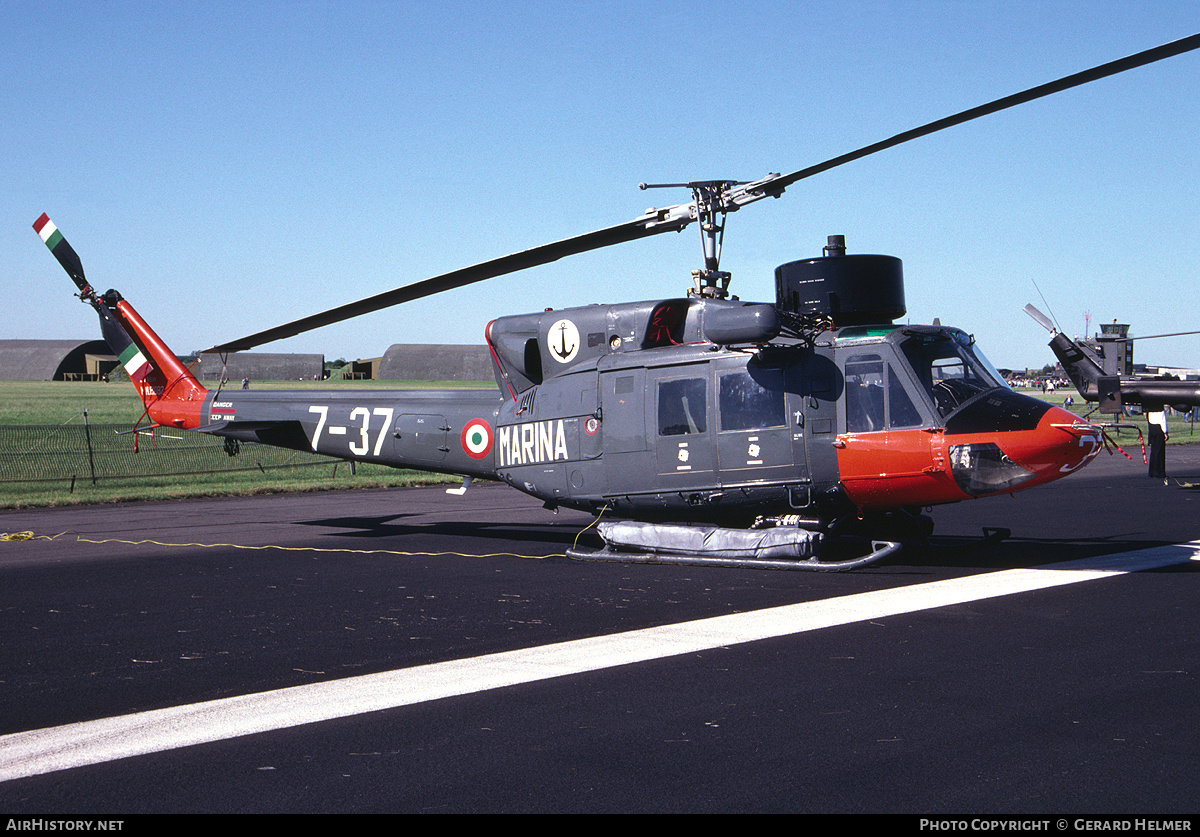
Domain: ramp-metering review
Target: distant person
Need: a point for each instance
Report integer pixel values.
(246, 383)
(1157, 420)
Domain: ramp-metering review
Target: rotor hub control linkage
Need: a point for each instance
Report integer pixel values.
(712, 201)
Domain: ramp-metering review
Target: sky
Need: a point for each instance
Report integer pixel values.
(232, 166)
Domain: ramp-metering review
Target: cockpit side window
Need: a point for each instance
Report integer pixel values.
(901, 410)
(949, 369)
(875, 398)
(864, 394)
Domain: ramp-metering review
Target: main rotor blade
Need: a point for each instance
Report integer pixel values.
(655, 221)
(776, 186)
(1172, 334)
(679, 216)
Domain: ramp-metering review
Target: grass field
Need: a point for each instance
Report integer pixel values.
(62, 403)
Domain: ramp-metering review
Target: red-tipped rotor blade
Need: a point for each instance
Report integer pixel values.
(66, 255)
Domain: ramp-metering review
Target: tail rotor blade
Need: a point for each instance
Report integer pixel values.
(62, 251)
(1041, 318)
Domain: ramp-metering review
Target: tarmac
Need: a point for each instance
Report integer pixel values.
(411, 651)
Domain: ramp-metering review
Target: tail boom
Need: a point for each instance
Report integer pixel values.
(169, 390)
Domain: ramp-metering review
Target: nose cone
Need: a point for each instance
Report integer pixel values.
(1061, 443)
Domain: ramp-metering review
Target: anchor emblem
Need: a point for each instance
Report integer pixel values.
(562, 339)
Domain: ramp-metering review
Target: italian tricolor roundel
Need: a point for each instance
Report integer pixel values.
(477, 438)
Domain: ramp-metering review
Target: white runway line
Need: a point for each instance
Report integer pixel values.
(92, 742)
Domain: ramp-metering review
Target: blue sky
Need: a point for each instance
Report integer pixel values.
(232, 166)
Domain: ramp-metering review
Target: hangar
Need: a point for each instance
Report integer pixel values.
(55, 360)
(262, 366)
(436, 362)
(88, 360)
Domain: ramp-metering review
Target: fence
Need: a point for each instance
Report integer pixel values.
(91, 453)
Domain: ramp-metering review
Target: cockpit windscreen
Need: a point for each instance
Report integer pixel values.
(950, 367)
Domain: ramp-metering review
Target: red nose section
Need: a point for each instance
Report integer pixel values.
(893, 469)
(1061, 444)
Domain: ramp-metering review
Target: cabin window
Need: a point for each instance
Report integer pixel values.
(681, 406)
(901, 410)
(875, 398)
(747, 405)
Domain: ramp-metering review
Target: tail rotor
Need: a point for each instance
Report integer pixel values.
(171, 393)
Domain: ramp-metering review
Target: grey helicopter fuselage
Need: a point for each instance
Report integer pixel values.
(696, 409)
(682, 409)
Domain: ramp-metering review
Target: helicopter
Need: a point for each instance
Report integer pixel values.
(1099, 376)
(703, 429)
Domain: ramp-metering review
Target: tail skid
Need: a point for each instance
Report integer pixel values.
(170, 392)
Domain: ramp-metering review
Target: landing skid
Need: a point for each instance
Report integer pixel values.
(765, 546)
(880, 550)
(762, 548)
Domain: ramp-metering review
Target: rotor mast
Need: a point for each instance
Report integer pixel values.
(710, 204)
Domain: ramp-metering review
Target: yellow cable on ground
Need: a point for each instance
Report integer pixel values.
(316, 549)
(25, 536)
(599, 514)
(29, 536)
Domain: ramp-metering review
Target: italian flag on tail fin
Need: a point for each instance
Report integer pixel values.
(135, 364)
